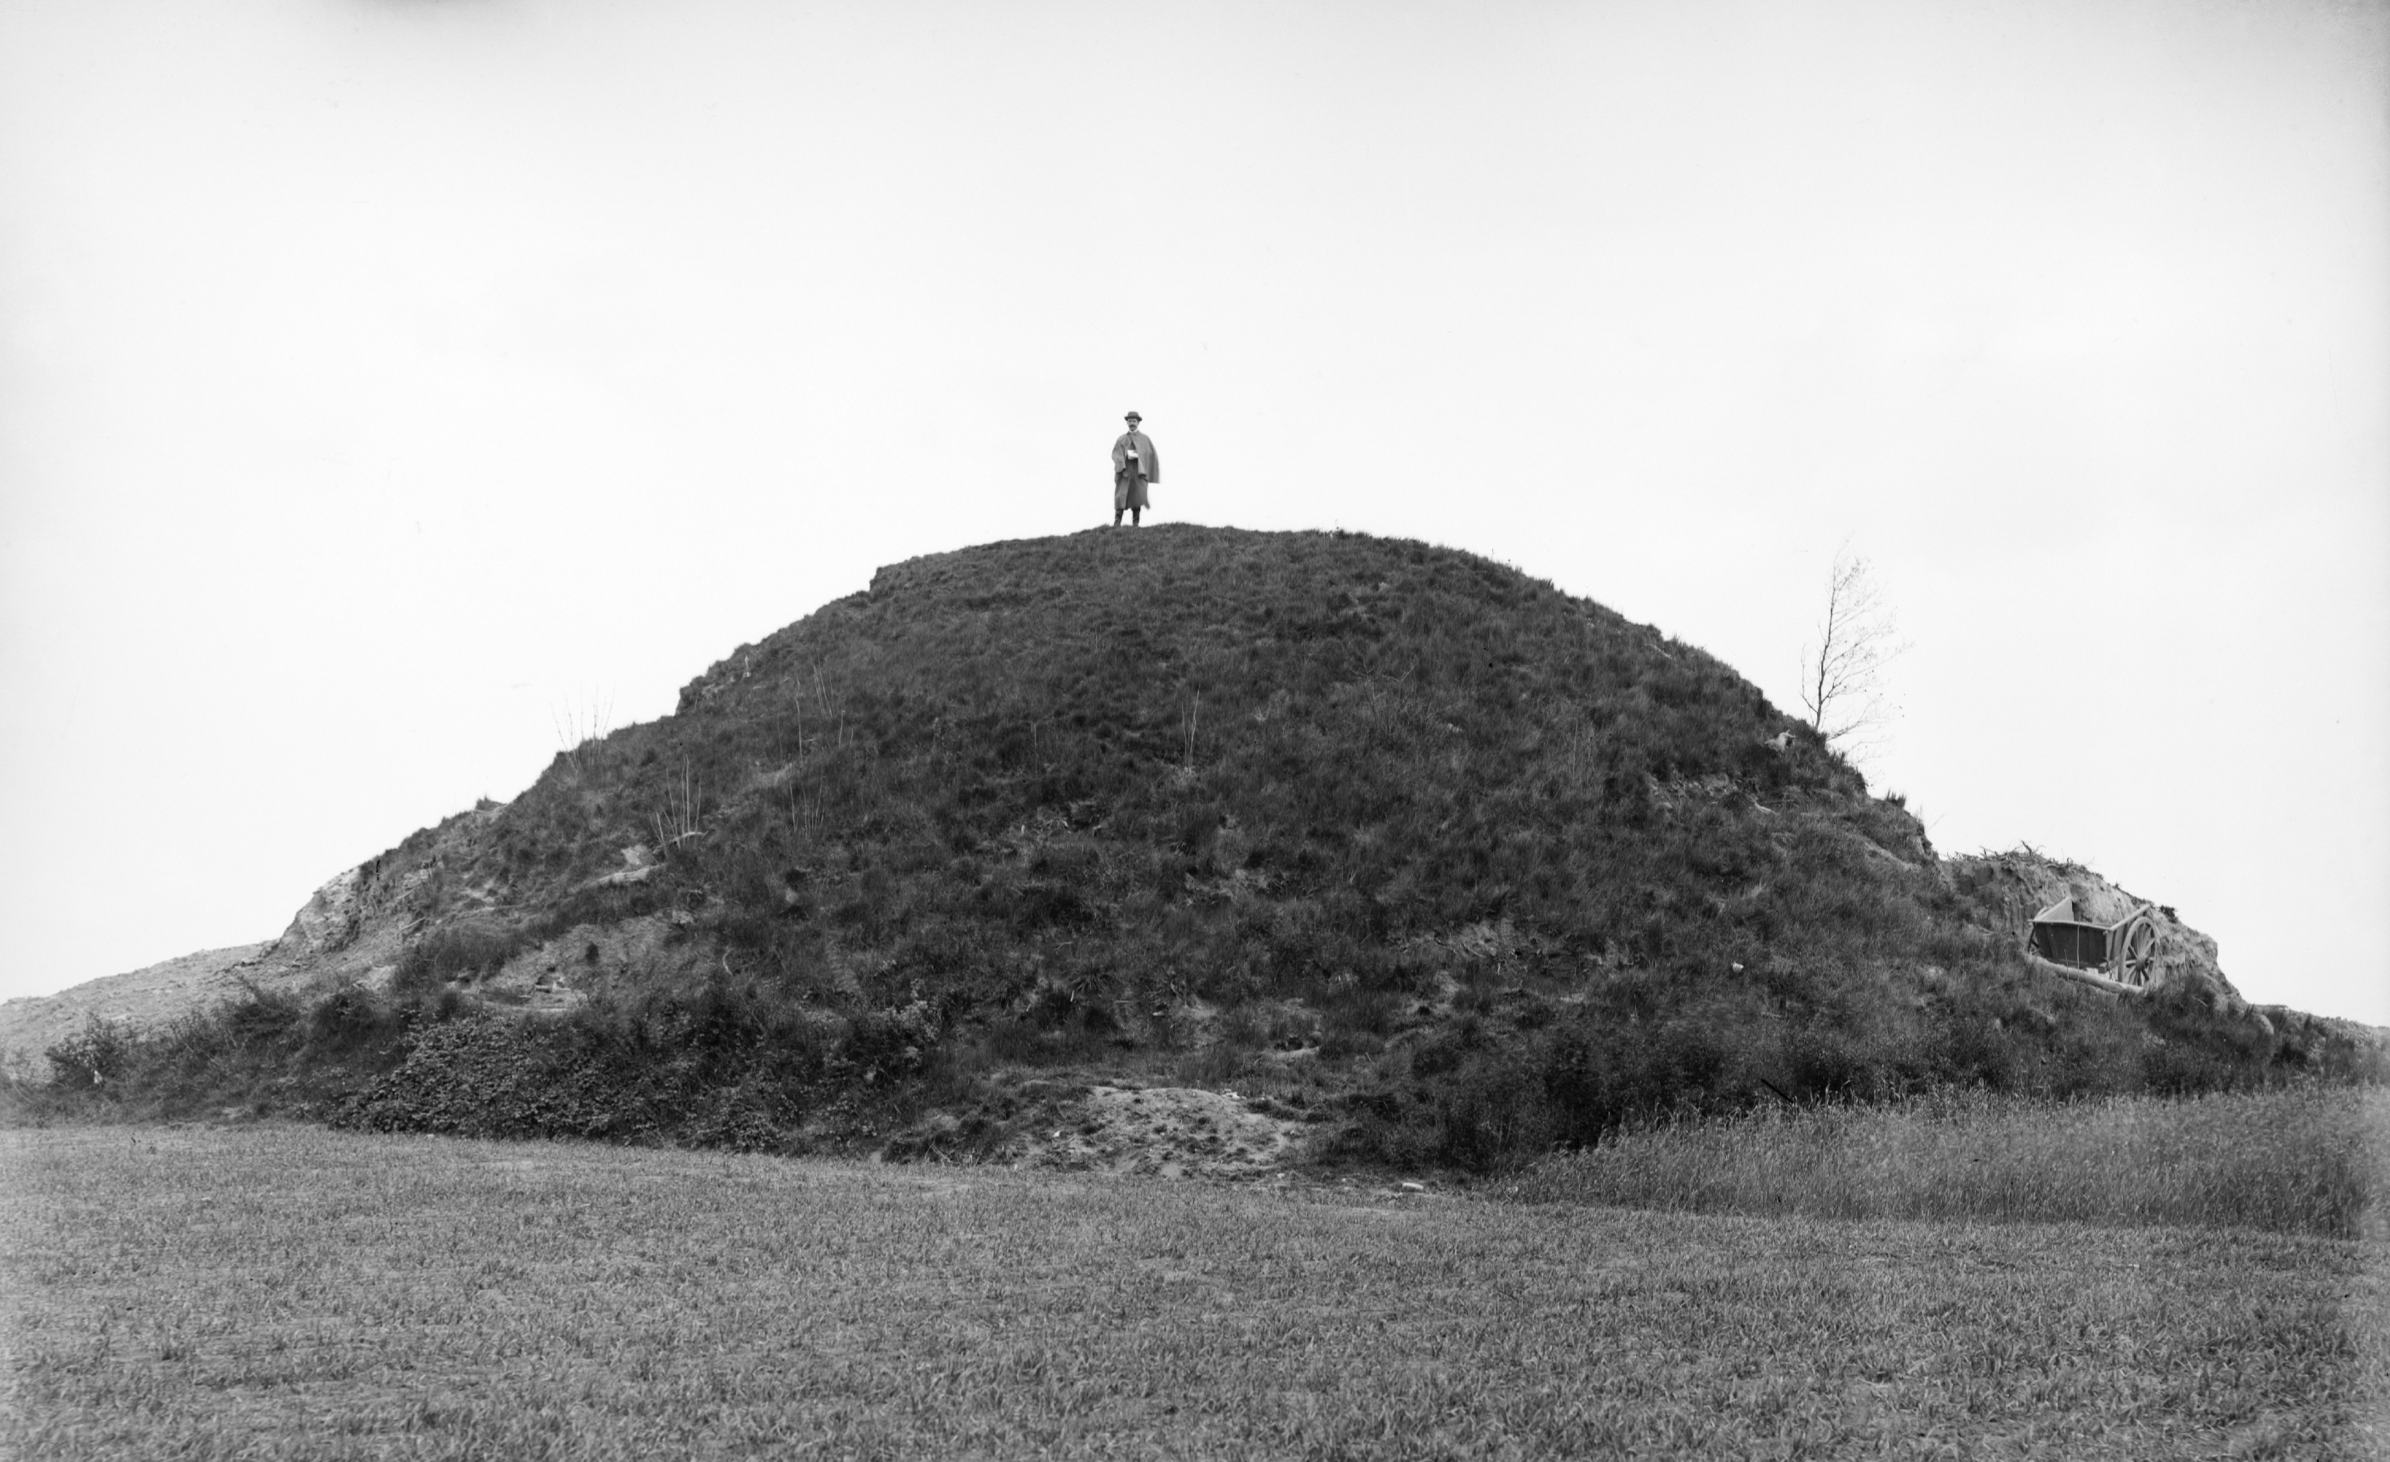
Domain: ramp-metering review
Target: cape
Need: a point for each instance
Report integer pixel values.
(1145, 454)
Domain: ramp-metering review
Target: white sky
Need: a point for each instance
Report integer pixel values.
(383, 384)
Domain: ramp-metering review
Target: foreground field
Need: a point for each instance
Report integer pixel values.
(283, 1292)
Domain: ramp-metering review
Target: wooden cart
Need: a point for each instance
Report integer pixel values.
(2118, 956)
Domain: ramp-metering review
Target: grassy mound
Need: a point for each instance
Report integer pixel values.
(1386, 834)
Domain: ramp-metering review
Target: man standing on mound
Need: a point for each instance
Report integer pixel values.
(1134, 464)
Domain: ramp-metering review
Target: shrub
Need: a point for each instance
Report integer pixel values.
(263, 1017)
(732, 1063)
(458, 952)
(93, 1056)
(1496, 1116)
(1219, 1064)
(350, 1019)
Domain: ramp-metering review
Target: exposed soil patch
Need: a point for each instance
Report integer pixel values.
(1166, 1131)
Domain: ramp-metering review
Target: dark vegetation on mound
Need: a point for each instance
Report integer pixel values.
(1382, 834)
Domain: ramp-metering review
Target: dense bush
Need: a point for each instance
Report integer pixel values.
(733, 1064)
(460, 952)
(1490, 1092)
(92, 1056)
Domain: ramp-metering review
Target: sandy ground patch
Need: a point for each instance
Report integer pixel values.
(1165, 1131)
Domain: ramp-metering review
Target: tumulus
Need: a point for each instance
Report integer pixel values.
(1430, 862)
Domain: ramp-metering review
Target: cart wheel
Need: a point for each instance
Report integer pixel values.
(2137, 960)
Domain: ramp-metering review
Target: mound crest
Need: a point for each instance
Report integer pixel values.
(1108, 772)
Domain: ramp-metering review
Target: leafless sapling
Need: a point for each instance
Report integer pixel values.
(1842, 670)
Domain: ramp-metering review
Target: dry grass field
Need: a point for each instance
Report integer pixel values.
(2299, 1161)
(268, 1292)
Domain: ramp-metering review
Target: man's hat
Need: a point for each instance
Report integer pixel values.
(1132, 416)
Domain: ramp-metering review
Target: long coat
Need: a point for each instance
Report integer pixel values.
(1128, 483)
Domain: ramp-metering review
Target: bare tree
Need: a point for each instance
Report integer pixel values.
(1842, 670)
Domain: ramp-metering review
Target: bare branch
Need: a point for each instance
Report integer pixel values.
(577, 729)
(1842, 669)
